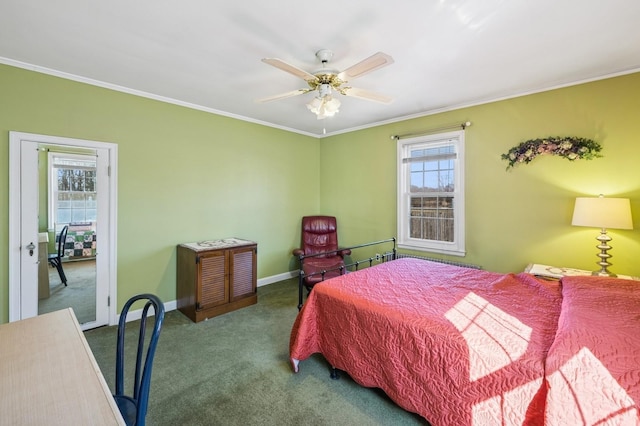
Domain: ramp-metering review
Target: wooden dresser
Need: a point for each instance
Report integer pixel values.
(215, 277)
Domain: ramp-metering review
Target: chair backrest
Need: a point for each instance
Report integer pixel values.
(319, 234)
(62, 239)
(144, 363)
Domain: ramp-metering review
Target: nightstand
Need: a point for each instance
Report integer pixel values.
(557, 272)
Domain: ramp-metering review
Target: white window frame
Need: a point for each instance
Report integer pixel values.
(53, 185)
(404, 146)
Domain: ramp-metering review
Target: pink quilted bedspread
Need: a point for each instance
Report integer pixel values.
(457, 346)
(593, 366)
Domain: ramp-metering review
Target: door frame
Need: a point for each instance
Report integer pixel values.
(15, 190)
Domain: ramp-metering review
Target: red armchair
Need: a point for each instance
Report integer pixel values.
(319, 250)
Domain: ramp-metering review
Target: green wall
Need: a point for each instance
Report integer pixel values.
(184, 176)
(187, 175)
(513, 217)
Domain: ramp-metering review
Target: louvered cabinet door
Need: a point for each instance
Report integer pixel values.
(243, 272)
(213, 280)
(212, 287)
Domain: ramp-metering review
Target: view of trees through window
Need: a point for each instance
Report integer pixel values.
(75, 190)
(431, 193)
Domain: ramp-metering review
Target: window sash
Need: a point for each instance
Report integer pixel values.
(433, 220)
(72, 189)
(431, 193)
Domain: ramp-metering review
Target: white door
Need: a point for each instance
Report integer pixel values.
(29, 244)
(24, 189)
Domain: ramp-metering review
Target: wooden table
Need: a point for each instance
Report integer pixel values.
(48, 375)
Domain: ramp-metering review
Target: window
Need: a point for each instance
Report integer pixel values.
(72, 189)
(431, 193)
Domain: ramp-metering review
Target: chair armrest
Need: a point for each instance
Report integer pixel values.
(298, 252)
(345, 252)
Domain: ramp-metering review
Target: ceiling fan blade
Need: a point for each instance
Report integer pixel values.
(367, 95)
(280, 64)
(365, 66)
(283, 95)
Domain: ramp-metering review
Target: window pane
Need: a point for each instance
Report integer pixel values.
(432, 175)
(64, 200)
(417, 153)
(76, 185)
(432, 165)
(78, 216)
(77, 201)
(447, 181)
(90, 181)
(91, 201)
(432, 218)
(64, 180)
(91, 215)
(417, 182)
(432, 179)
(417, 166)
(64, 216)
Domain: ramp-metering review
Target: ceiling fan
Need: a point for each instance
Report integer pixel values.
(325, 80)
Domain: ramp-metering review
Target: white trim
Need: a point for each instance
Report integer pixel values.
(73, 77)
(15, 140)
(432, 250)
(123, 89)
(457, 247)
(478, 102)
(137, 314)
(173, 304)
(277, 278)
(15, 228)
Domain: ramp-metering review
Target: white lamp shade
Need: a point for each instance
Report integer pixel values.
(601, 212)
(326, 106)
(315, 104)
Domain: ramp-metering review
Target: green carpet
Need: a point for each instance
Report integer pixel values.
(234, 370)
(79, 294)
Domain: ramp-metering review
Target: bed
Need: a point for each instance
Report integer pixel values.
(593, 365)
(461, 346)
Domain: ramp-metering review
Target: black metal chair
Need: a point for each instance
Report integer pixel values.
(55, 259)
(134, 406)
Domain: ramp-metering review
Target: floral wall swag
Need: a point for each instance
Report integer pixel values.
(569, 147)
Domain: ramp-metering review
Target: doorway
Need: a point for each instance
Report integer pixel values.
(61, 183)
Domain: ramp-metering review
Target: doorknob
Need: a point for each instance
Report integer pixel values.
(31, 247)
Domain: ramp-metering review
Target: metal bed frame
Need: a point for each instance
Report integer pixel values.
(384, 257)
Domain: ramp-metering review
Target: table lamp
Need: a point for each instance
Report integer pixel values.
(603, 213)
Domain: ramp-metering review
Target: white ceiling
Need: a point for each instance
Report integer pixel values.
(206, 54)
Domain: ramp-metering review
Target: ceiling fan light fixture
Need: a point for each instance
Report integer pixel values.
(315, 104)
(324, 90)
(323, 107)
(325, 80)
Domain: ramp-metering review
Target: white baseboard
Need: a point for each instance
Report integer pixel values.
(137, 314)
(173, 305)
(277, 278)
